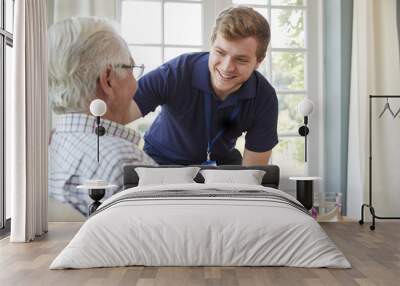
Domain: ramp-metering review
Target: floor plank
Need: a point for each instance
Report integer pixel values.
(374, 255)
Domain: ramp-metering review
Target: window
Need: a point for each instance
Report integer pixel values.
(6, 43)
(285, 67)
(174, 27)
(164, 37)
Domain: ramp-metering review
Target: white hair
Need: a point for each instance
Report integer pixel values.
(79, 50)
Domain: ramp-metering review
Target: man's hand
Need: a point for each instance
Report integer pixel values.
(251, 158)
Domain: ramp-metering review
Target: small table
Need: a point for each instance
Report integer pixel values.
(96, 193)
(304, 190)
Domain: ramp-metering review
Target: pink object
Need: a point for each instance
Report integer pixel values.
(314, 213)
(338, 199)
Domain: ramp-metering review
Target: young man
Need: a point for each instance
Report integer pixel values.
(209, 99)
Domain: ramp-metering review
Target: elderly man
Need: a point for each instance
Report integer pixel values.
(209, 99)
(88, 59)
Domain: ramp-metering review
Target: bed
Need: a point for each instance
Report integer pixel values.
(201, 224)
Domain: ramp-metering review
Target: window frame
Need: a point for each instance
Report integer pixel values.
(163, 45)
(313, 85)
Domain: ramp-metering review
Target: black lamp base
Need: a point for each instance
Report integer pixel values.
(96, 195)
(303, 130)
(304, 193)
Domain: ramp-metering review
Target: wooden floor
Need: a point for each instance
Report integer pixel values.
(374, 255)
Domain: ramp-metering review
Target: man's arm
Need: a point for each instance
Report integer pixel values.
(153, 90)
(251, 158)
(262, 136)
(134, 112)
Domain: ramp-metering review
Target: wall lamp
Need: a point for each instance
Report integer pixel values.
(305, 108)
(98, 108)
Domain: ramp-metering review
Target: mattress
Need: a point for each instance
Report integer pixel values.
(201, 225)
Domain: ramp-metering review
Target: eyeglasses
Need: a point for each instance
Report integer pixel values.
(137, 70)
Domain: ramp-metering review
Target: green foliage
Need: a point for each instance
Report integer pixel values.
(288, 74)
(291, 22)
(289, 118)
(288, 70)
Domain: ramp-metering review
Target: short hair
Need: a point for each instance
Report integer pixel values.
(80, 48)
(241, 22)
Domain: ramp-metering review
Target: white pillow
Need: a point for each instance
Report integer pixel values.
(248, 177)
(165, 176)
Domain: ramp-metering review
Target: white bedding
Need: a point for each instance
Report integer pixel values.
(182, 231)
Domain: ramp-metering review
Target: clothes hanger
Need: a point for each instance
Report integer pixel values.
(387, 107)
(397, 113)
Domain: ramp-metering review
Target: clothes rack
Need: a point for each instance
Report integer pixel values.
(369, 205)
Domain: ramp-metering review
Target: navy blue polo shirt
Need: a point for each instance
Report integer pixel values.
(179, 134)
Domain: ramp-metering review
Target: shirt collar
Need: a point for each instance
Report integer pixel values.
(201, 75)
(201, 80)
(80, 122)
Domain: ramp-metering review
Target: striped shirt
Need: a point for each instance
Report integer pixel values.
(73, 157)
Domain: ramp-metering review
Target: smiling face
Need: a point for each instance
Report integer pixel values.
(231, 63)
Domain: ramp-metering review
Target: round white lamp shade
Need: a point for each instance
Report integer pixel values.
(98, 107)
(305, 107)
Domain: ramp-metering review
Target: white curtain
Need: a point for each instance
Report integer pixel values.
(375, 70)
(27, 134)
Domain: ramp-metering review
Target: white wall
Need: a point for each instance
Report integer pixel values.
(67, 8)
(375, 70)
(386, 131)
